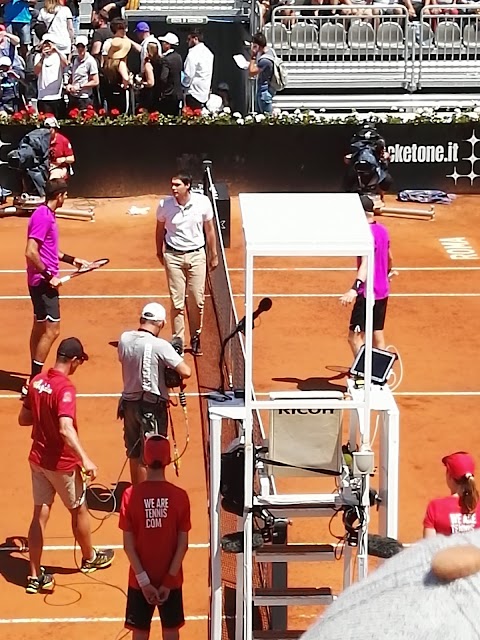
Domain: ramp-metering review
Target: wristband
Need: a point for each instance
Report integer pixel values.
(169, 581)
(68, 259)
(47, 275)
(142, 579)
(357, 284)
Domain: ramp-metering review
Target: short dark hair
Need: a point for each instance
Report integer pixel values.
(117, 24)
(196, 33)
(185, 177)
(260, 39)
(156, 464)
(54, 187)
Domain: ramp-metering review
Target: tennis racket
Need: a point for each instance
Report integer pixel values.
(96, 264)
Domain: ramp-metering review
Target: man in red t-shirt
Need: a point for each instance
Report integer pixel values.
(58, 462)
(155, 519)
(61, 152)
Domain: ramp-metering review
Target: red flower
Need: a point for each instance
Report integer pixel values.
(30, 110)
(153, 117)
(49, 115)
(187, 112)
(141, 110)
(17, 116)
(73, 113)
(114, 112)
(41, 116)
(101, 112)
(197, 112)
(89, 115)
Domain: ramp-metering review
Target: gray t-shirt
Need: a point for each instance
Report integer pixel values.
(81, 71)
(144, 358)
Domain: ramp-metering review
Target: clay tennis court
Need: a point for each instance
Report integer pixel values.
(432, 320)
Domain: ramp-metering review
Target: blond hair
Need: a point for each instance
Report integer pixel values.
(50, 6)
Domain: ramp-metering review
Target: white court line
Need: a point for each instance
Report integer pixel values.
(71, 547)
(120, 296)
(158, 270)
(82, 620)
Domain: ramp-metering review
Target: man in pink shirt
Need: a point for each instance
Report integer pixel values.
(43, 257)
(381, 285)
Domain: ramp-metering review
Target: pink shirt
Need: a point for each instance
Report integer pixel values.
(446, 517)
(381, 241)
(43, 228)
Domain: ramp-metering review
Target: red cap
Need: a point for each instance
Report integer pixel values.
(157, 449)
(3, 27)
(459, 465)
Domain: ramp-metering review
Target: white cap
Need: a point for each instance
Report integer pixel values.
(5, 61)
(51, 122)
(154, 311)
(82, 40)
(171, 38)
(47, 37)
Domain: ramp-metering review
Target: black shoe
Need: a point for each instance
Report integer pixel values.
(196, 347)
(103, 559)
(177, 344)
(44, 582)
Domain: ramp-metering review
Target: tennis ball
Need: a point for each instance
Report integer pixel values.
(456, 562)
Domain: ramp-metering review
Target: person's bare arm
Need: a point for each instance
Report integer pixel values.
(124, 74)
(15, 40)
(211, 244)
(136, 46)
(352, 293)
(149, 591)
(96, 48)
(149, 77)
(160, 239)
(70, 437)
(429, 533)
(38, 65)
(33, 257)
(25, 417)
(390, 260)
(183, 370)
(70, 29)
(175, 565)
(253, 70)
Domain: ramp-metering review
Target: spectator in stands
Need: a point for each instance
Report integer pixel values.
(83, 76)
(152, 69)
(145, 38)
(118, 27)
(9, 48)
(395, 8)
(9, 88)
(440, 7)
(357, 8)
(61, 153)
(118, 80)
(289, 15)
(74, 6)
(171, 76)
(460, 511)
(112, 9)
(49, 66)
(262, 68)
(18, 19)
(198, 71)
(101, 34)
(56, 20)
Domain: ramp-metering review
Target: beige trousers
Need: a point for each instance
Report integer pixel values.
(186, 273)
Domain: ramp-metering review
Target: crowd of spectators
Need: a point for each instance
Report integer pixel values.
(46, 66)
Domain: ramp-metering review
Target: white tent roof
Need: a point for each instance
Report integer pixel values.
(305, 224)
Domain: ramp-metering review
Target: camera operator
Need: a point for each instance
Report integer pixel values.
(146, 360)
(367, 162)
(9, 88)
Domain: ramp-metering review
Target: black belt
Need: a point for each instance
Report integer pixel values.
(169, 248)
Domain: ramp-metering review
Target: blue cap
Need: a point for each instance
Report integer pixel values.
(142, 26)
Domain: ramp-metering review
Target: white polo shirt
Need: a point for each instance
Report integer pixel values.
(184, 224)
(144, 358)
(50, 79)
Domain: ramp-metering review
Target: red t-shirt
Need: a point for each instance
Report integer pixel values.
(51, 396)
(155, 512)
(446, 517)
(60, 148)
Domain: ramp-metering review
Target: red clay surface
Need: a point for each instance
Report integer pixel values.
(432, 320)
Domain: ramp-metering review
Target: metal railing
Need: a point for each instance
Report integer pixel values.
(375, 45)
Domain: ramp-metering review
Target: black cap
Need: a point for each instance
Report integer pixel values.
(367, 204)
(71, 348)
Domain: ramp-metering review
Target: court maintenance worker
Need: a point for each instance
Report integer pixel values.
(184, 228)
(144, 402)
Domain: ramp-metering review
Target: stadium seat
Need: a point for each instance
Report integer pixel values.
(390, 37)
(304, 37)
(277, 36)
(333, 37)
(448, 36)
(419, 35)
(471, 36)
(361, 37)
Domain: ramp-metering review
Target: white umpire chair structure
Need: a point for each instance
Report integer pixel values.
(325, 225)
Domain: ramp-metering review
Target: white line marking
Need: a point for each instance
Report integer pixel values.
(70, 547)
(82, 620)
(256, 295)
(154, 270)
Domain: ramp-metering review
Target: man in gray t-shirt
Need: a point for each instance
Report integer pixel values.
(143, 407)
(84, 77)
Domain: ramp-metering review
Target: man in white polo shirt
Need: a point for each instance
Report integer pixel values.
(198, 71)
(184, 226)
(144, 403)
